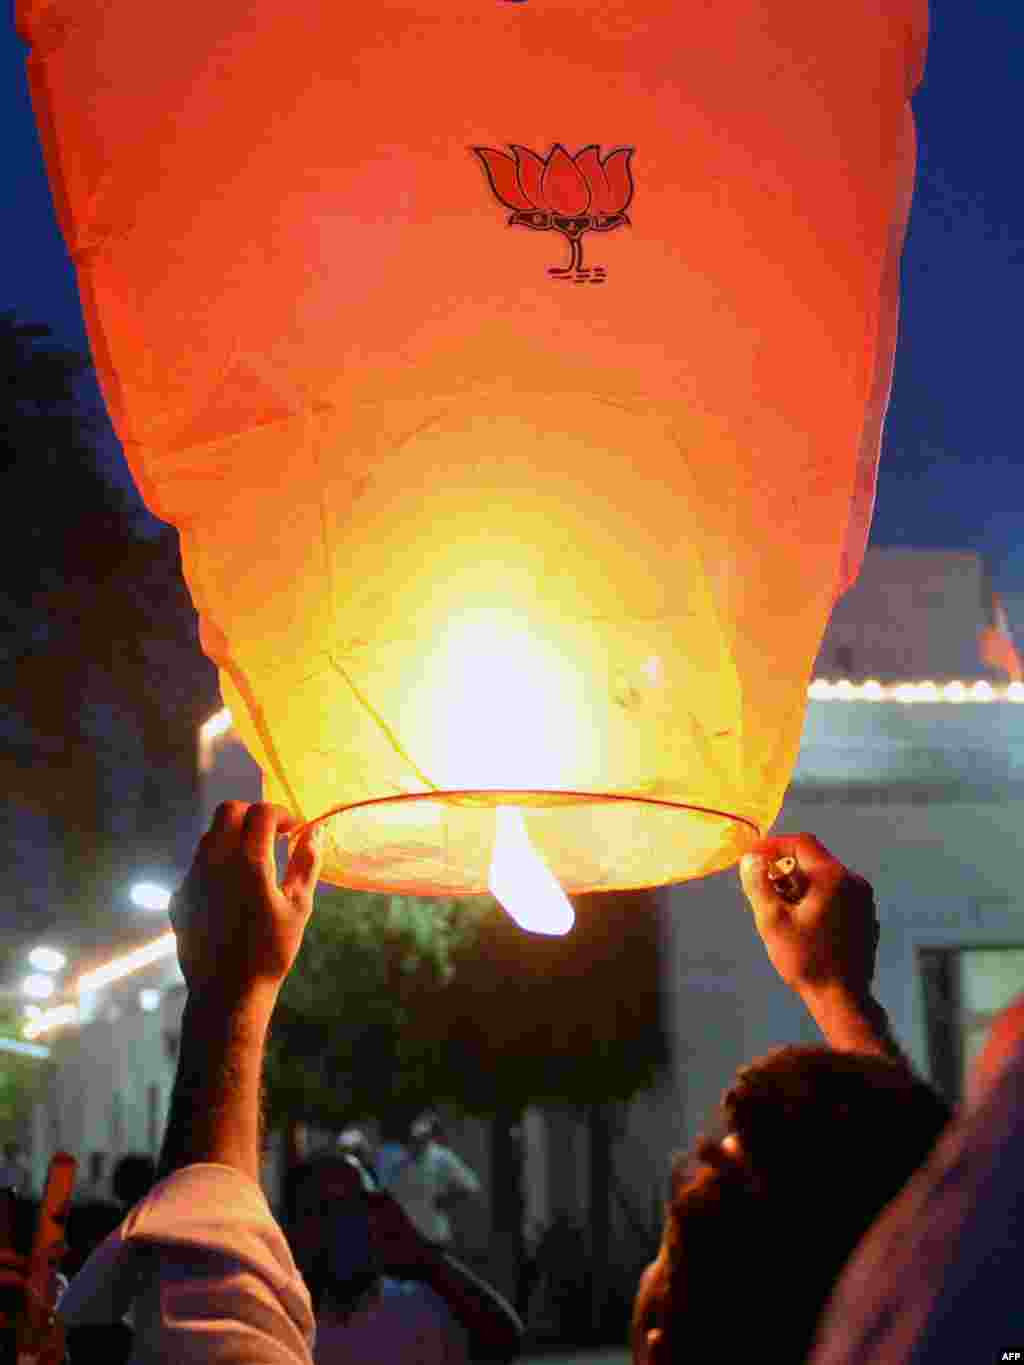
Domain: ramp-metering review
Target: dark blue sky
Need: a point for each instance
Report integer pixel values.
(952, 474)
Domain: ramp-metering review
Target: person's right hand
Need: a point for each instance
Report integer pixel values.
(237, 930)
(830, 936)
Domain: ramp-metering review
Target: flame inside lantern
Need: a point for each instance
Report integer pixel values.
(522, 882)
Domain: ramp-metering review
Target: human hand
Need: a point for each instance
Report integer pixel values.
(237, 930)
(830, 935)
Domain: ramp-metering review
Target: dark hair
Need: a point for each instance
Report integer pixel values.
(87, 1225)
(133, 1178)
(319, 1273)
(322, 1163)
(754, 1242)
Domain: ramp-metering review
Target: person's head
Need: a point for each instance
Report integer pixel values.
(354, 1142)
(133, 1178)
(423, 1131)
(329, 1226)
(87, 1225)
(814, 1144)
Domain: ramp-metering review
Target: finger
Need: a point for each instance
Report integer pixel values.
(773, 846)
(811, 853)
(821, 867)
(227, 819)
(304, 864)
(769, 909)
(861, 883)
(260, 828)
(754, 868)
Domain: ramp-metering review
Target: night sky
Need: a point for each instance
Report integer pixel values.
(951, 469)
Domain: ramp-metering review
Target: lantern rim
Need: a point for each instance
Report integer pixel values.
(366, 866)
(487, 798)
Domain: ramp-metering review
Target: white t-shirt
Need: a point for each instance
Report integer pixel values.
(209, 1272)
(417, 1182)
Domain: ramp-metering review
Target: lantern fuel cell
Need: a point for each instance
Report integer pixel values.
(442, 499)
(788, 879)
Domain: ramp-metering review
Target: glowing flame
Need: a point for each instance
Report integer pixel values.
(522, 882)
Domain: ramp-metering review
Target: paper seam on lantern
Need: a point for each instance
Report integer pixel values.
(382, 724)
(259, 721)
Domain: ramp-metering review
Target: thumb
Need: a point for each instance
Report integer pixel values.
(304, 863)
(754, 878)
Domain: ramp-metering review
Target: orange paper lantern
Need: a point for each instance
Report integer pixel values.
(514, 374)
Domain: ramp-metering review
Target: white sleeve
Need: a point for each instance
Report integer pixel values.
(209, 1272)
(455, 1173)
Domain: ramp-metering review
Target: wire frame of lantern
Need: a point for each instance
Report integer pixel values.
(515, 382)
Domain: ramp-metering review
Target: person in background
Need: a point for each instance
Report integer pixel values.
(93, 1187)
(813, 1142)
(354, 1142)
(427, 1178)
(201, 1260)
(14, 1173)
(133, 1178)
(937, 1280)
(18, 1218)
(379, 1289)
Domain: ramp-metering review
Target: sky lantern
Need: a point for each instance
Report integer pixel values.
(515, 378)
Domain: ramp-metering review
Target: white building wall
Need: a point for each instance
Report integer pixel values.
(927, 802)
(110, 1079)
(911, 614)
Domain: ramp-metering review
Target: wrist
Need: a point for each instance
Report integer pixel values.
(850, 1018)
(834, 991)
(251, 1005)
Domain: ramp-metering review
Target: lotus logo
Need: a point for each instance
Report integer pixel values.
(562, 193)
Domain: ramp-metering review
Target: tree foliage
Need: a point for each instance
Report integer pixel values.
(347, 1038)
(21, 1079)
(99, 658)
(396, 1004)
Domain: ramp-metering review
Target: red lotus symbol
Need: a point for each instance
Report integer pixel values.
(562, 193)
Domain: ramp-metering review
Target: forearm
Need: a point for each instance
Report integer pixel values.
(851, 1022)
(216, 1105)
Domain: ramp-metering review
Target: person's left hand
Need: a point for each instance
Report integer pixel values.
(393, 1237)
(238, 930)
(830, 935)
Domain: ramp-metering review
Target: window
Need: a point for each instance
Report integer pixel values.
(964, 989)
(153, 1118)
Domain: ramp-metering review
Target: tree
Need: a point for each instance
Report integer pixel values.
(21, 1080)
(346, 1041)
(100, 665)
(396, 1004)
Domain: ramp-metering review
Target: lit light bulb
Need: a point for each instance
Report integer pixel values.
(522, 882)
